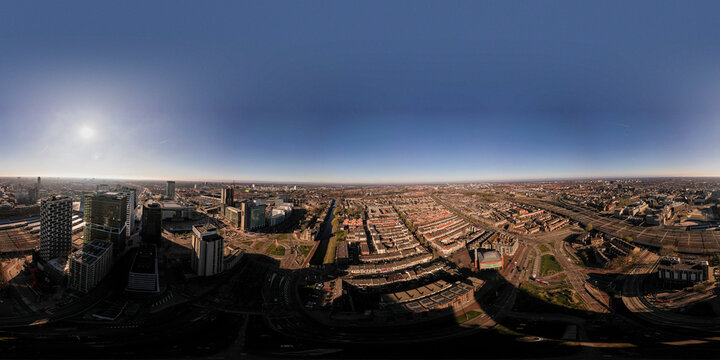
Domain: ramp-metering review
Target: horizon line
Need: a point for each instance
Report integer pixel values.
(420, 182)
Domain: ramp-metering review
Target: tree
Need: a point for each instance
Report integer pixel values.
(589, 227)
(629, 239)
(714, 259)
(341, 235)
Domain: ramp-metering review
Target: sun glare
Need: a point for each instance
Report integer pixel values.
(86, 132)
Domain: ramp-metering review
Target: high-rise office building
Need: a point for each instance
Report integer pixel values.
(151, 231)
(170, 190)
(256, 214)
(55, 227)
(208, 247)
(250, 215)
(106, 219)
(234, 216)
(227, 196)
(89, 265)
(130, 214)
(33, 195)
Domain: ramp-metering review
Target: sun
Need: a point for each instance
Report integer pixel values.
(87, 132)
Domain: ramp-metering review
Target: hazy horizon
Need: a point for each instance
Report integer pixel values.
(350, 183)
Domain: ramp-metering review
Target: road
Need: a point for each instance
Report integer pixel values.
(577, 277)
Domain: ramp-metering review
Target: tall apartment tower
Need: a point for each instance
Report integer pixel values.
(227, 196)
(55, 227)
(106, 219)
(207, 246)
(151, 231)
(170, 190)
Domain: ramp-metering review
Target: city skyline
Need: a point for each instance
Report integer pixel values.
(466, 92)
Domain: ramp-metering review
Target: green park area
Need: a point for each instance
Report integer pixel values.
(549, 265)
(330, 252)
(278, 250)
(306, 249)
(467, 316)
(537, 297)
(543, 248)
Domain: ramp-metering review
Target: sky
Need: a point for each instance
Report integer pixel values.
(359, 91)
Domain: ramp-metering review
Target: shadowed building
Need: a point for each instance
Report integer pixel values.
(208, 247)
(151, 231)
(170, 190)
(55, 227)
(227, 196)
(90, 265)
(105, 219)
(679, 271)
(143, 275)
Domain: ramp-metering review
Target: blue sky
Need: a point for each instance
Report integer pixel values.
(359, 91)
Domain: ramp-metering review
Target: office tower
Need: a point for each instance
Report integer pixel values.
(257, 216)
(90, 265)
(151, 231)
(33, 195)
(227, 196)
(170, 190)
(207, 248)
(55, 227)
(251, 215)
(106, 219)
(130, 214)
(234, 216)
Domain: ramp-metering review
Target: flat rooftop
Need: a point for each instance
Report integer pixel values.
(92, 251)
(144, 262)
(205, 228)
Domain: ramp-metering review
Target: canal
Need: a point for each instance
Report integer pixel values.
(324, 237)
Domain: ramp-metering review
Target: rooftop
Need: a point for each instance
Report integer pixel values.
(92, 251)
(144, 260)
